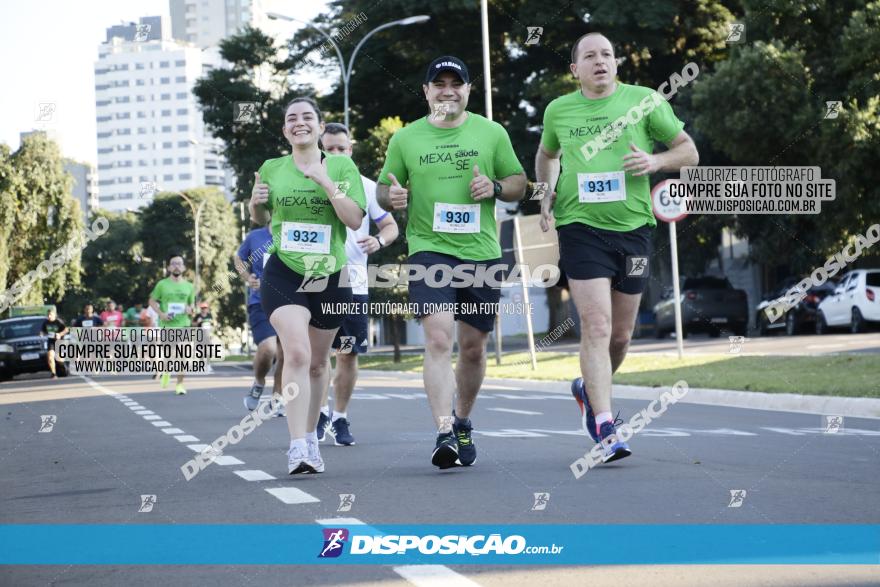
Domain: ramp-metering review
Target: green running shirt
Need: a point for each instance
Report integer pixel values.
(306, 232)
(587, 192)
(438, 165)
(173, 297)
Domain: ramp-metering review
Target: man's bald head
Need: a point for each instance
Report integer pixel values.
(597, 39)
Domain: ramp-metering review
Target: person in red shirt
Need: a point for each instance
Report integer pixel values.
(111, 317)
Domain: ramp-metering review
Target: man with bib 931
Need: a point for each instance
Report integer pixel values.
(605, 132)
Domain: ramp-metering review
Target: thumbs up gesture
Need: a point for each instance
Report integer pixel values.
(398, 194)
(260, 193)
(481, 185)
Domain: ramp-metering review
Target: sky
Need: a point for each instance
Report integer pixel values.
(49, 50)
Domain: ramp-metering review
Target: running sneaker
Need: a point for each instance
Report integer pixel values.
(340, 432)
(323, 425)
(613, 448)
(467, 452)
(252, 399)
(164, 379)
(445, 453)
(588, 418)
(314, 456)
(276, 407)
(298, 461)
(180, 389)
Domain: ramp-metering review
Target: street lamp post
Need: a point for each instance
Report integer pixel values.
(344, 69)
(197, 213)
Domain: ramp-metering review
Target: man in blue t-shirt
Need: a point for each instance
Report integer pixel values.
(249, 262)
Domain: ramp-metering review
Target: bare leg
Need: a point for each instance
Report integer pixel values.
(437, 373)
(291, 323)
(50, 356)
(263, 359)
(592, 298)
(470, 369)
(319, 371)
(624, 308)
(344, 380)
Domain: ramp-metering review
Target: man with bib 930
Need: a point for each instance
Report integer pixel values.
(455, 164)
(605, 132)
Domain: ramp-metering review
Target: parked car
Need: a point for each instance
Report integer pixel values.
(798, 319)
(23, 348)
(708, 304)
(855, 303)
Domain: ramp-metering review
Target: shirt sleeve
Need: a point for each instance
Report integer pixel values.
(373, 208)
(506, 163)
(394, 163)
(663, 124)
(191, 299)
(156, 294)
(549, 138)
(348, 173)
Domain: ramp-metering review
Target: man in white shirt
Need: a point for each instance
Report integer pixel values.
(351, 339)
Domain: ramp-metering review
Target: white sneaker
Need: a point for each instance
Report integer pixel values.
(296, 461)
(314, 456)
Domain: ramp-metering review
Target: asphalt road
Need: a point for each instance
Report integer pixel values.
(101, 455)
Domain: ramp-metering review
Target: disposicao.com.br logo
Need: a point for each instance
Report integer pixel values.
(450, 544)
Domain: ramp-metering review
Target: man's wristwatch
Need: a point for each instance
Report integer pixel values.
(496, 191)
(382, 243)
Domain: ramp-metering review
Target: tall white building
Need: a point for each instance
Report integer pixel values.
(85, 186)
(206, 22)
(150, 130)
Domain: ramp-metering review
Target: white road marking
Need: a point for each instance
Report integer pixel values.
(161, 424)
(225, 460)
(254, 475)
(825, 346)
(292, 495)
(509, 433)
(153, 417)
(145, 413)
(512, 411)
(433, 576)
(172, 431)
(185, 437)
(197, 447)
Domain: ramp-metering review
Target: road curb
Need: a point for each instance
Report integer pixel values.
(854, 407)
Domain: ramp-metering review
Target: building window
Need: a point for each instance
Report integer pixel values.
(166, 129)
(182, 95)
(166, 96)
(139, 66)
(183, 159)
(185, 176)
(143, 147)
(167, 161)
(183, 127)
(166, 113)
(180, 79)
(180, 62)
(164, 80)
(183, 143)
(167, 177)
(123, 115)
(182, 111)
(141, 114)
(141, 99)
(164, 64)
(167, 145)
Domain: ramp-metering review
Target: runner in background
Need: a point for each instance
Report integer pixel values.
(149, 318)
(53, 329)
(203, 319)
(351, 339)
(249, 261)
(603, 213)
(88, 319)
(111, 317)
(173, 299)
(133, 315)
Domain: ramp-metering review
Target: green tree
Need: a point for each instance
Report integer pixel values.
(38, 216)
(167, 227)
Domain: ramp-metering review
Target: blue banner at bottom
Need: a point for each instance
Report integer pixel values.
(221, 544)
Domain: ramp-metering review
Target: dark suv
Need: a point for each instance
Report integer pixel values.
(22, 347)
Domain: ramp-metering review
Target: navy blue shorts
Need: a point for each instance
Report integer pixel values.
(355, 329)
(586, 252)
(483, 297)
(259, 322)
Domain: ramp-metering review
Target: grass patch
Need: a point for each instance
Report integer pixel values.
(833, 375)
